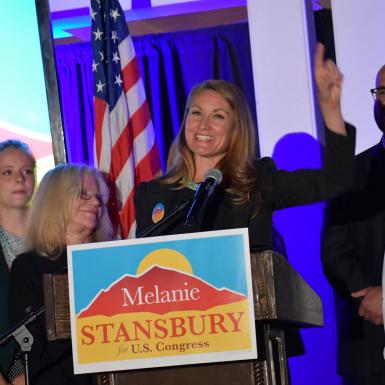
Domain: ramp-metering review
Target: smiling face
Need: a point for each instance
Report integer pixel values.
(87, 208)
(209, 122)
(17, 178)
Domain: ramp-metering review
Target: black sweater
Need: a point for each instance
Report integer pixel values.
(50, 362)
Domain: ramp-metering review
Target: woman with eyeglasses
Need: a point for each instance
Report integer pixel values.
(17, 183)
(69, 208)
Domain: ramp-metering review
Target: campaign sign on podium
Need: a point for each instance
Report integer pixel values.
(161, 301)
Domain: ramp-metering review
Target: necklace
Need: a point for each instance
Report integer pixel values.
(190, 183)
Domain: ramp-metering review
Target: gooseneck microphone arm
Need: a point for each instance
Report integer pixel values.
(197, 204)
(213, 178)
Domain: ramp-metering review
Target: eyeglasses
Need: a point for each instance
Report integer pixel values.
(85, 195)
(378, 93)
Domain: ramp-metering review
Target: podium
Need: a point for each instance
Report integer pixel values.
(282, 300)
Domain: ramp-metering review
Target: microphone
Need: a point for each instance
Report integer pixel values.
(213, 178)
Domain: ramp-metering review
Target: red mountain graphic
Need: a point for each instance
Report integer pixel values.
(159, 290)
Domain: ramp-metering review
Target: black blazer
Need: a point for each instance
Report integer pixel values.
(353, 245)
(50, 362)
(278, 189)
(6, 351)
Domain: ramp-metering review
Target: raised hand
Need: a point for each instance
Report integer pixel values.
(328, 78)
(329, 83)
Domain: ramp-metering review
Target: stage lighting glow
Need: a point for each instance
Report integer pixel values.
(23, 102)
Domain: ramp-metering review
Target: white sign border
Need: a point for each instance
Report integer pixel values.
(176, 360)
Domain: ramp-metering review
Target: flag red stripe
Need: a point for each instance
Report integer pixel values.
(123, 146)
(120, 152)
(127, 215)
(140, 119)
(148, 167)
(100, 109)
(131, 74)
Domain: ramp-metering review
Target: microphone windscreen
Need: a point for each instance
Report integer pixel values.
(214, 173)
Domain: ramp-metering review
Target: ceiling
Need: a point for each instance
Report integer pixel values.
(71, 20)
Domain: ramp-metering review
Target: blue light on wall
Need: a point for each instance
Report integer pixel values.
(301, 227)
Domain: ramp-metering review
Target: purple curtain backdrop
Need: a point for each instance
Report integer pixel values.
(170, 65)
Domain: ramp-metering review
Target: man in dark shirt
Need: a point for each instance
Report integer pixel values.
(353, 246)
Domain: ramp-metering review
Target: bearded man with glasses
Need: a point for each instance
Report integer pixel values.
(353, 245)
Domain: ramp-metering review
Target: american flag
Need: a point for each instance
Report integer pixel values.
(125, 148)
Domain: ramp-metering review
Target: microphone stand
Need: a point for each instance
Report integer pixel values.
(157, 225)
(195, 215)
(24, 338)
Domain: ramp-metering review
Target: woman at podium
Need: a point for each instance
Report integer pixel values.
(217, 132)
(69, 208)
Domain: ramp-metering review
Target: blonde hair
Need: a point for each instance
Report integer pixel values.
(238, 164)
(53, 205)
(15, 144)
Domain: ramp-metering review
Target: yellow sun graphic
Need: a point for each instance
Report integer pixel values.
(165, 258)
